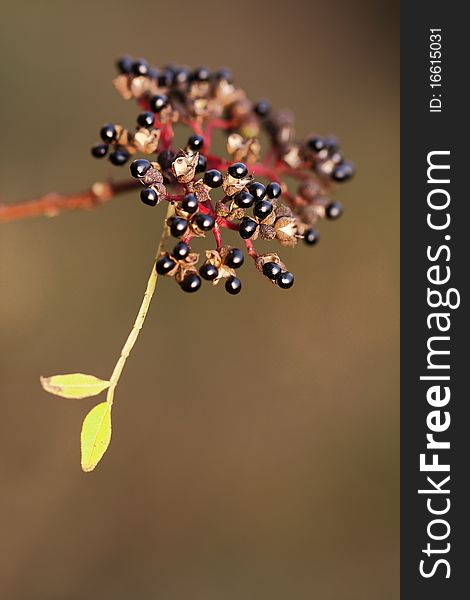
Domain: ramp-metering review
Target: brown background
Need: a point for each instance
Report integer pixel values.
(269, 470)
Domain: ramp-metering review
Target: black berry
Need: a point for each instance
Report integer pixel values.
(208, 272)
(164, 265)
(108, 133)
(146, 119)
(201, 164)
(200, 74)
(196, 142)
(285, 280)
(124, 64)
(165, 79)
(332, 144)
(233, 285)
(190, 204)
(119, 157)
(140, 67)
(191, 282)
(234, 258)
(165, 159)
(342, 172)
(316, 144)
(311, 237)
(244, 200)
(149, 196)
(272, 270)
(238, 170)
(262, 209)
(257, 190)
(152, 74)
(181, 250)
(204, 222)
(213, 178)
(181, 75)
(158, 102)
(273, 190)
(178, 226)
(139, 167)
(333, 210)
(262, 108)
(99, 150)
(247, 228)
(223, 74)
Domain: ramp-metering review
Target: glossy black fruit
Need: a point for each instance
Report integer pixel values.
(285, 280)
(244, 200)
(178, 226)
(204, 222)
(146, 119)
(235, 258)
(247, 228)
(119, 157)
(99, 150)
(238, 170)
(272, 270)
(181, 250)
(273, 190)
(233, 285)
(311, 237)
(213, 178)
(164, 265)
(149, 196)
(108, 133)
(190, 204)
(208, 272)
(139, 167)
(191, 283)
(333, 210)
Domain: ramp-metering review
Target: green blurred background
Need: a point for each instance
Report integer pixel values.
(279, 479)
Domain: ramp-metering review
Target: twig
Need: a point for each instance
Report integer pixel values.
(53, 204)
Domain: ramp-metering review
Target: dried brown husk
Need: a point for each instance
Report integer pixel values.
(232, 186)
(293, 157)
(140, 86)
(241, 150)
(147, 140)
(152, 176)
(182, 266)
(121, 83)
(213, 257)
(309, 190)
(184, 166)
(281, 128)
(201, 191)
(262, 259)
(267, 232)
(286, 230)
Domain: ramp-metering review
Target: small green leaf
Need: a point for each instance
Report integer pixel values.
(74, 385)
(96, 435)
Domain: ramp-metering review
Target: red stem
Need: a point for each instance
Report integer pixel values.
(251, 249)
(218, 237)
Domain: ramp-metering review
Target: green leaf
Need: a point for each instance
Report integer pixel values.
(96, 435)
(74, 385)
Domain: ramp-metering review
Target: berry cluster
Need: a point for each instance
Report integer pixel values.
(190, 177)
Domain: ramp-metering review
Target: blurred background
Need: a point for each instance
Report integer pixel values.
(280, 478)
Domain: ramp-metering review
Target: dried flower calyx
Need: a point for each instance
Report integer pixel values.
(244, 191)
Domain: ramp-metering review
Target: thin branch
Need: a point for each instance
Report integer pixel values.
(139, 322)
(53, 204)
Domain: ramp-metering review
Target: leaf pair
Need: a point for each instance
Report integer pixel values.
(96, 428)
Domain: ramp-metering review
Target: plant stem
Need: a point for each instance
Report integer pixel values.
(139, 322)
(52, 204)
